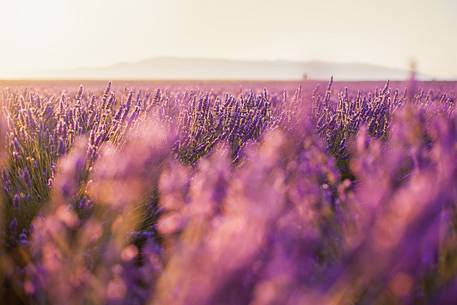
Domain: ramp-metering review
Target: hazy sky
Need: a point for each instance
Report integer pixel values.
(56, 34)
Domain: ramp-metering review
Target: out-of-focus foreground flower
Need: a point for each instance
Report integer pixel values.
(253, 197)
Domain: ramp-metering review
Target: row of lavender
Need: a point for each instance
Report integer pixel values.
(42, 128)
(195, 197)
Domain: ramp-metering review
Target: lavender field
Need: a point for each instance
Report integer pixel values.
(199, 193)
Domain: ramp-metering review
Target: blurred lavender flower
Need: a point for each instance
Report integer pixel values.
(229, 195)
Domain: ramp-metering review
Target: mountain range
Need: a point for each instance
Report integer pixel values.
(165, 68)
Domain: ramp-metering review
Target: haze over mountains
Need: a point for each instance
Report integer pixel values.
(166, 68)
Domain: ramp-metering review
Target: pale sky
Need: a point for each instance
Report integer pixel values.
(58, 34)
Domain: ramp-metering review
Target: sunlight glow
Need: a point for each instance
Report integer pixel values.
(38, 35)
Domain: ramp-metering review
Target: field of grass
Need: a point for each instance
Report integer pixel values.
(255, 193)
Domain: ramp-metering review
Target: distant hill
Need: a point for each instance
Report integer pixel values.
(221, 69)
